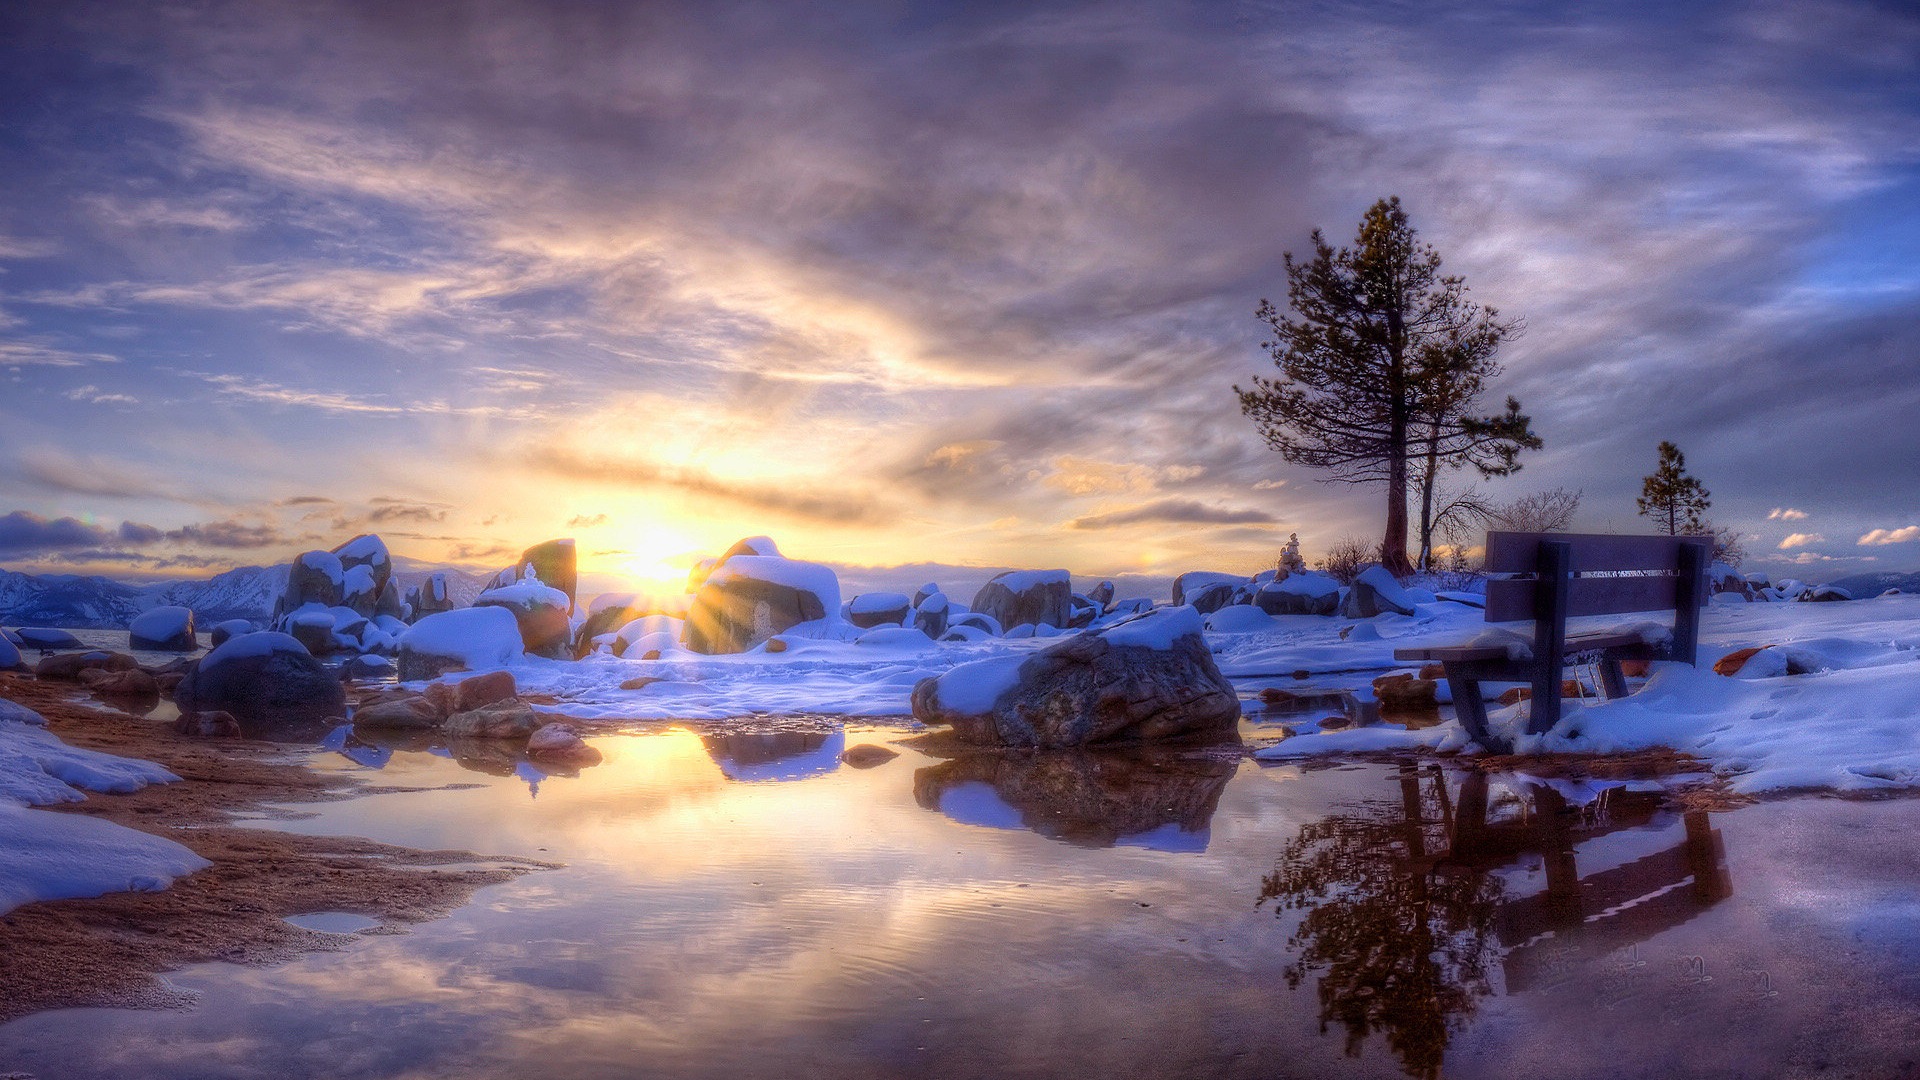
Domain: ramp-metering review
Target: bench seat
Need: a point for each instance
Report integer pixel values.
(1457, 653)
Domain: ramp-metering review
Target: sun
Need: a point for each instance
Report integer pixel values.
(655, 558)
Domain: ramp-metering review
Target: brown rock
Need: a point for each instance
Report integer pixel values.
(167, 680)
(402, 713)
(1406, 693)
(1434, 671)
(466, 695)
(90, 676)
(1516, 695)
(1635, 669)
(510, 719)
(773, 645)
(1335, 723)
(867, 755)
(639, 682)
(1273, 695)
(220, 725)
(1731, 663)
(134, 683)
(558, 742)
(70, 665)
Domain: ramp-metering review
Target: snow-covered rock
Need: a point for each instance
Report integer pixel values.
(1190, 586)
(470, 639)
(553, 563)
(46, 637)
(1302, 593)
(541, 612)
(1026, 597)
(1376, 592)
(230, 628)
(1239, 619)
(869, 610)
(432, 596)
(647, 634)
(1147, 678)
(930, 614)
(749, 598)
(164, 629)
(267, 680)
(10, 656)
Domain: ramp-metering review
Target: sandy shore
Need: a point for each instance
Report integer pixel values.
(112, 950)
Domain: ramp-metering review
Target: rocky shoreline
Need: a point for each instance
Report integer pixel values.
(110, 951)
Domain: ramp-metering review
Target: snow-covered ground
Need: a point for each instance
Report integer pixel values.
(1853, 725)
(49, 856)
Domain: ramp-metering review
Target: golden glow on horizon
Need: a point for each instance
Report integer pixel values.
(656, 557)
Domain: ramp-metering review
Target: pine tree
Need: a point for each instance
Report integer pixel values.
(1380, 363)
(1671, 497)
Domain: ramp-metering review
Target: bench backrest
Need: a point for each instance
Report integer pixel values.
(1566, 575)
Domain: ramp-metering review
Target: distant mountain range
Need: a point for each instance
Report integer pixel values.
(98, 603)
(1865, 585)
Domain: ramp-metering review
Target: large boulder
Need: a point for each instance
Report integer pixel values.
(646, 634)
(268, 681)
(541, 612)
(10, 656)
(469, 639)
(1102, 595)
(45, 638)
(1211, 597)
(231, 628)
(930, 614)
(509, 719)
(1300, 593)
(1376, 592)
(555, 564)
(749, 598)
(164, 629)
(412, 713)
(1027, 597)
(1148, 678)
(70, 665)
(1190, 586)
(869, 610)
(430, 597)
(315, 577)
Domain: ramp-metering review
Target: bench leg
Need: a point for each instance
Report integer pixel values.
(1544, 705)
(1613, 682)
(1471, 708)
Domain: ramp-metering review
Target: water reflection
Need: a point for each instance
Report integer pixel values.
(374, 748)
(1407, 907)
(776, 755)
(1144, 798)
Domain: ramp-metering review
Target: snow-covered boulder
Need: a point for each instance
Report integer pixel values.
(267, 680)
(468, 639)
(920, 595)
(231, 628)
(314, 577)
(1144, 679)
(1239, 619)
(986, 624)
(1027, 597)
(367, 667)
(649, 633)
(869, 610)
(930, 614)
(1821, 594)
(46, 638)
(1301, 593)
(359, 590)
(163, 629)
(10, 656)
(1376, 592)
(431, 597)
(554, 563)
(749, 598)
(1189, 588)
(1102, 595)
(541, 612)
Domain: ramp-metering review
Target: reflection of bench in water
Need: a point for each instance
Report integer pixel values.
(1598, 913)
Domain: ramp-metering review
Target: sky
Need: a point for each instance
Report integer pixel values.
(962, 285)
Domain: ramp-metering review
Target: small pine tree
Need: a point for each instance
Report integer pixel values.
(1671, 497)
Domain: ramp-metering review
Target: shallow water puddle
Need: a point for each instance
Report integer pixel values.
(745, 905)
(333, 922)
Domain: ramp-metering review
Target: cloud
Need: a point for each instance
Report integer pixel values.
(388, 510)
(22, 532)
(1795, 540)
(134, 532)
(582, 521)
(305, 500)
(55, 470)
(1786, 513)
(95, 396)
(37, 354)
(1175, 511)
(791, 501)
(228, 534)
(1891, 536)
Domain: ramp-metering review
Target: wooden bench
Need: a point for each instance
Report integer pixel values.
(1552, 577)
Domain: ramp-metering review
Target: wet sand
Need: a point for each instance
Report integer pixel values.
(112, 950)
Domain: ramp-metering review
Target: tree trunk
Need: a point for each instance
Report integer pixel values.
(1427, 482)
(1393, 546)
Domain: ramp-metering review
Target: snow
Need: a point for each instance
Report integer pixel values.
(44, 637)
(646, 627)
(50, 856)
(819, 580)
(1239, 619)
(358, 581)
(894, 637)
(325, 562)
(1386, 587)
(483, 638)
(161, 624)
(1157, 629)
(973, 688)
(366, 548)
(875, 603)
(9, 655)
(259, 643)
(1193, 582)
(528, 592)
(1307, 583)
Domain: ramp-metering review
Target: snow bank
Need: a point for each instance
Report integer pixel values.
(49, 856)
(1239, 619)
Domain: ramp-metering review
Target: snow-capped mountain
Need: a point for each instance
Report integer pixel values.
(249, 592)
